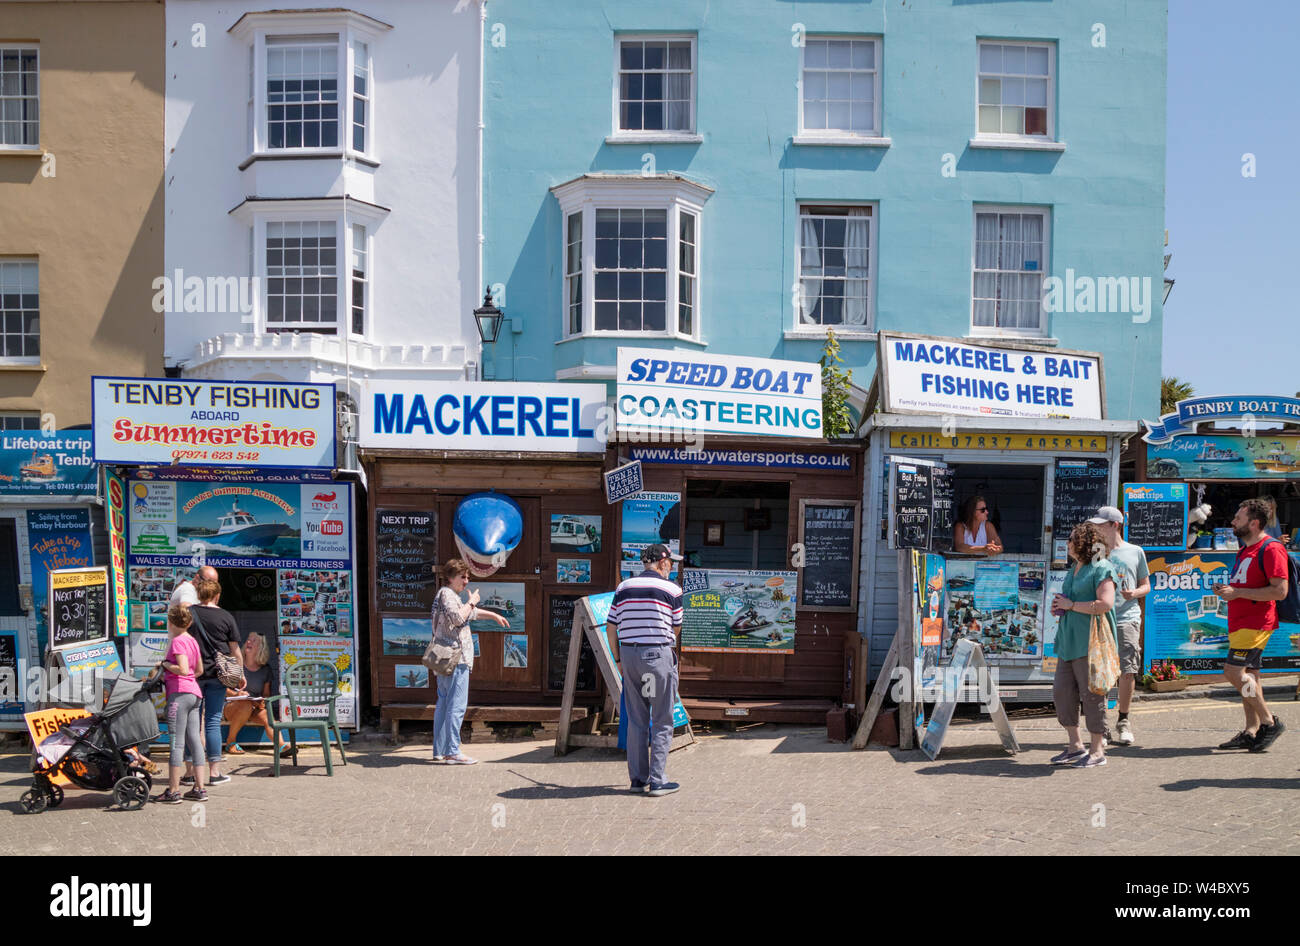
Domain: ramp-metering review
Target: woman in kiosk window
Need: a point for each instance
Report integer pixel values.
(973, 532)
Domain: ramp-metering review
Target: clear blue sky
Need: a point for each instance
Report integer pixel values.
(1232, 324)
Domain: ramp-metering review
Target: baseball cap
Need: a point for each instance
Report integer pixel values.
(1108, 514)
(657, 553)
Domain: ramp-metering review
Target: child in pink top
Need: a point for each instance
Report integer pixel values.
(181, 666)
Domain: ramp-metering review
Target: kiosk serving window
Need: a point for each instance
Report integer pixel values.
(735, 524)
(1014, 493)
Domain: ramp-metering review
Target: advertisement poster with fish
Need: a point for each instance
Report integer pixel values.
(1187, 623)
(738, 612)
(36, 464)
(649, 519)
(1225, 457)
(57, 538)
(997, 604)
(337, 653)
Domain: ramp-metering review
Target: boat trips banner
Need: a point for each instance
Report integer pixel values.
(259, 525)
(58, 464)
(1187, 623)
(1248, 408)
(1225, 457)
(738, 612)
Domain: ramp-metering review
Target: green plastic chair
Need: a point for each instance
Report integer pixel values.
(307, 685)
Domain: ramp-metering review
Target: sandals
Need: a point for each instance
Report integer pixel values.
(461, 760)
(235, 749)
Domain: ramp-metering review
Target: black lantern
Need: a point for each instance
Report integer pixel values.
(488, 319)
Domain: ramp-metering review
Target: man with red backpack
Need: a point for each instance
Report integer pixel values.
(1258, 582)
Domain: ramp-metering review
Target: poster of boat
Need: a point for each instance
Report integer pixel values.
(575, 534)
(1228, 456)
(738, 611)
(506, 598)
(1187, 623)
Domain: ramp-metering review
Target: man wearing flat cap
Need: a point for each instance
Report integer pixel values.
(646, 615)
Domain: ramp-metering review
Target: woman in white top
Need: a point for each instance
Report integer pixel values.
(973, 532)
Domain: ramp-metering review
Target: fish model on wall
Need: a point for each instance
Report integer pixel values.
(487, 528)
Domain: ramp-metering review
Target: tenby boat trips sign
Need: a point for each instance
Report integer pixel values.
(1245, 408)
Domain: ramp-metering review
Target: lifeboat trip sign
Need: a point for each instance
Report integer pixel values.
(60, 463)
(182, 422)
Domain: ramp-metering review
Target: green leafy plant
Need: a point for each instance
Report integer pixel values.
(836, 419)
(1162, 671)
(1172, 390)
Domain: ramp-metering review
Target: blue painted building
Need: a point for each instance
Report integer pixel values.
(737, 178)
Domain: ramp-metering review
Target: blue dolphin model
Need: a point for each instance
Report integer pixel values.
(487, 527)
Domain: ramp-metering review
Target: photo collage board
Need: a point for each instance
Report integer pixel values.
(283, 550)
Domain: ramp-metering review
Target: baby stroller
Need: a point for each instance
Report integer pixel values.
(91, 752)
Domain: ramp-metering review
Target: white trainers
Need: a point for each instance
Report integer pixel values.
(1124, 733)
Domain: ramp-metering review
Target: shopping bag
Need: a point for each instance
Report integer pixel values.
(1103, 658)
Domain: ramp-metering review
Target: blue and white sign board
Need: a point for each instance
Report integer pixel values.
(929, 375)
(180, 422)
(459, 415)
(624, 481)
(1246, 408)
(719, 394)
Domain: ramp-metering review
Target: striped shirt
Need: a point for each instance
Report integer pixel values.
(646, 609)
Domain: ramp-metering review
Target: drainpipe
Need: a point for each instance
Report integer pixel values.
(478, 179)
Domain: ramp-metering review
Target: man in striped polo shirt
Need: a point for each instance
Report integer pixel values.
(646, 614)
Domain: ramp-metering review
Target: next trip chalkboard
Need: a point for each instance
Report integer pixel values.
(912, 495)
(406, 551)
(945, 507)
(559, 628)
(1081, 488)
(1155, 515)
(828, 532)
(78, 606)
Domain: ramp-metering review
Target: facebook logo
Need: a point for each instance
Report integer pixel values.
(307, 544)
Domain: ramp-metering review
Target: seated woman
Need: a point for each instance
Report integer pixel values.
(973, 532)
(248, 706)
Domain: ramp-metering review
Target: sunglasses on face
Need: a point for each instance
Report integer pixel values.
(982, 509)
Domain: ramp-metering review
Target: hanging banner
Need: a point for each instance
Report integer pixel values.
(115, 513)
(1187, 623)
(1247, 408)
(1225, 457)
(213, 423)
(37, 464)
(460, 415)
(930, 375)
(240, 525)
(57, 538)
(677, 391)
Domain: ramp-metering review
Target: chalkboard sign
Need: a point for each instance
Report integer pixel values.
(828, 532)
(945, 507)
(912, 495)
(1081, 488)
(1155, 515)
(560, 626)
(406, 551)
(9, 670)
(78, 612)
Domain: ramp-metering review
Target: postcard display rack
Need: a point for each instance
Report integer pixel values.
(590, 617)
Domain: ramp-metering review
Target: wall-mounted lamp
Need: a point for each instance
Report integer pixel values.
(488, 318)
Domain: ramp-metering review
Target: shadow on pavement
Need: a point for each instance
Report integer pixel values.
(1191, 784)
(537, 791)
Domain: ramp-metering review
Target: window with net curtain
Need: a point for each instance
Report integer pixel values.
(1009, 264)
(834, 267)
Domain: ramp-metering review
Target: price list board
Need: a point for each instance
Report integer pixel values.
(406, 553)
(1081, 487)
(1155, 516)
(78, 606)
(828, 532)
(559, 629)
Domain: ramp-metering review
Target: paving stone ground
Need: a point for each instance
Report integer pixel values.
(766, 790)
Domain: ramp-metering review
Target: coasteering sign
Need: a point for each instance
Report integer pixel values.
(458, 415)
(721, 394)
(177, 422)
(925, 375)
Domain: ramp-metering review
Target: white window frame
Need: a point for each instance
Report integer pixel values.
(638, 136)
(257, 217)
(671, 193)
(993, 331)
(26, 359)
(877, 132)
(367, 274)
(868, 330)
(1048, 141)
(351, 29)
(36, 146)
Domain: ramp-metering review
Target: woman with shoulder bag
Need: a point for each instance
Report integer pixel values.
(1087, 605)
(218, 636)
(451, 633)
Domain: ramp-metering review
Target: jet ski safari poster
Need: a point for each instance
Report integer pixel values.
(738, 612)
(240, 524)
(1187, 623)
